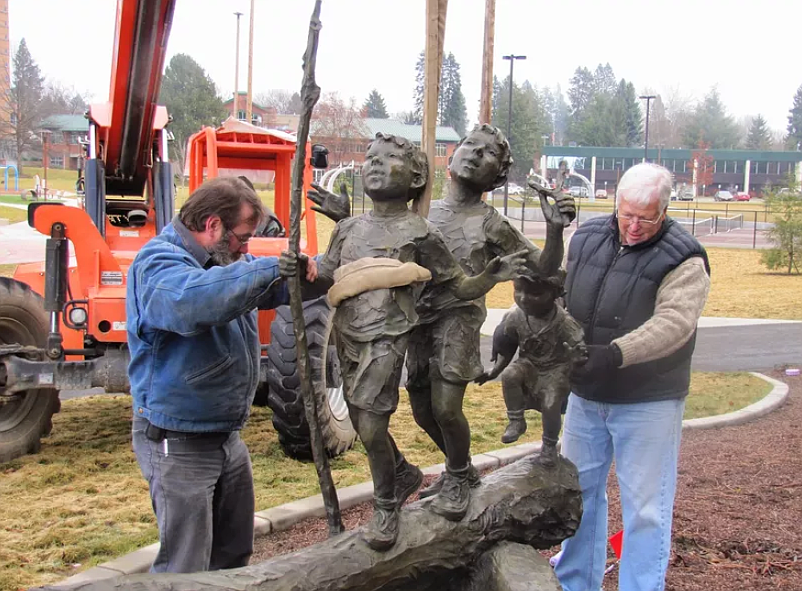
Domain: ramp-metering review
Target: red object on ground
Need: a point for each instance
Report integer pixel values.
(617, 542)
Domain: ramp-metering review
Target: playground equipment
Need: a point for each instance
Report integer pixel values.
(5, 169)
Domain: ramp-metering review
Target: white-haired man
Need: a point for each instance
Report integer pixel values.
(637, 283)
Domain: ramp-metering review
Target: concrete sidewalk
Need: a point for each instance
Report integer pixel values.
(285, 516)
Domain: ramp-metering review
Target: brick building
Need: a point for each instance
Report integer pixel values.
(64, 148)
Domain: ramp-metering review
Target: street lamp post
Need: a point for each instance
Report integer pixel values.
(512, 59)
(648, 98)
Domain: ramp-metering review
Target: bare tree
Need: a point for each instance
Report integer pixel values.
(58, 99)
(283, 101)
(340, 125)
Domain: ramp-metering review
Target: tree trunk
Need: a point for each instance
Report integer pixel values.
(523, 502)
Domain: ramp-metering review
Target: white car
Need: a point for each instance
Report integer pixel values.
(724, 196)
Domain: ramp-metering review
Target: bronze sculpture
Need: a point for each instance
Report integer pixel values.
(549, 344)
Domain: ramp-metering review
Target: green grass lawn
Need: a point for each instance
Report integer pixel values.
(57, 179)
(81, 500)
(13, 214)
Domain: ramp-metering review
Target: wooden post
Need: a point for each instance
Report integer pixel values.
(433, 57)
(249, 103)
(310, 93)
(486, 101)
(236, 72)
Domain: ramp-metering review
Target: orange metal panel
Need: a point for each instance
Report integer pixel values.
(91, 252)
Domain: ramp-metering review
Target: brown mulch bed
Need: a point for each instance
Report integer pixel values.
(737, 516)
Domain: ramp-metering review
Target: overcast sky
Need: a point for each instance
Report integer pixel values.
(750, 50)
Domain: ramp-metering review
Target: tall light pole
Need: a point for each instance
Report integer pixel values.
(512, 59)
(236, 71)
(249, 103)
(648, 98)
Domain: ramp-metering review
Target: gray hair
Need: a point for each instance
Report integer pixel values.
(639, 184)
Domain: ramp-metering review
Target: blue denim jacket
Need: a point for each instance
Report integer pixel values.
(193, 334)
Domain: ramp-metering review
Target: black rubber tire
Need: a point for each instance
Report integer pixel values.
(284, 385)
(26, 417)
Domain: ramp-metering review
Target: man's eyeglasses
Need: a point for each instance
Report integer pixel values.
(243, 238)
(634, 218)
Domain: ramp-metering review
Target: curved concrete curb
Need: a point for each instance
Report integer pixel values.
(285, 516)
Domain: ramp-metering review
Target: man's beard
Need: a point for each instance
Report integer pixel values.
(220, 253)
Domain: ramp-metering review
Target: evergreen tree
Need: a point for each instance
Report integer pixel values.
(604, 80)
(560, 116)
(759, 136)
(451, 100)
(793, 140)
(23, 103)
(633, 121)
(191, 98)
(581, 91)
(420, 83)
(374, 106)
(711, 124)
(528, 124)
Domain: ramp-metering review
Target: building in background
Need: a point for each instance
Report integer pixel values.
(732, 170)
(64, 146)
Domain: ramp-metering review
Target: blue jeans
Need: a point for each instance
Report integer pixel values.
(201, 488)
(644, 440)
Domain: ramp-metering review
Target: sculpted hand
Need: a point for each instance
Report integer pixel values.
(335, 207)
(577, 355)
(602, 360)
(488, 376)
(560, 213)
(509, 267)
(288, 264)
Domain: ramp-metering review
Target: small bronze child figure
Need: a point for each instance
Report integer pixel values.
(550, 343)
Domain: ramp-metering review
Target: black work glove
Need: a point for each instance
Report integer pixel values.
(602, 362)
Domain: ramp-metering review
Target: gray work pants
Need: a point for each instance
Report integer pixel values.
(201, 488)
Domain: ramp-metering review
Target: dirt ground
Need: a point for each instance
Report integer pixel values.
(737, 513)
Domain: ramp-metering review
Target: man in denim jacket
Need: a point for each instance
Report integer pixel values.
(191, 303)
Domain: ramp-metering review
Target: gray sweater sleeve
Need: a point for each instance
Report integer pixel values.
(680, 300)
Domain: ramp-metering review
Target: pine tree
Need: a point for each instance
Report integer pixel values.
(604, 80)
(191, 98)
(793, 140)
(711, 124)
(420, 83)
(24, 102)
(633, 120)
(374, 106)
(759, 136)
(451, 100)
(528, 123)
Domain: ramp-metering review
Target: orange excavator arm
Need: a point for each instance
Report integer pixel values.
(127, 124)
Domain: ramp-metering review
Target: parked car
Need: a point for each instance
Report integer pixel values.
(673, 195)
(577, 191)
(723, 196)
(742, 196)
(685, 195)
(513, 190)
(601, 194)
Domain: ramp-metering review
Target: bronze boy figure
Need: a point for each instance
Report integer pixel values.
(549, 342)
(376, 311)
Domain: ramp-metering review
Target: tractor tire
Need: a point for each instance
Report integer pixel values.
(24, 417)
(284, 384)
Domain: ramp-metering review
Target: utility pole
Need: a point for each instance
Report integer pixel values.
(236, 72)
(433, 58)
(249, 108)
(512, 59)
(648, 98)
(486, 101)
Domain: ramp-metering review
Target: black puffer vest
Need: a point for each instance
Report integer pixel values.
(611, 290)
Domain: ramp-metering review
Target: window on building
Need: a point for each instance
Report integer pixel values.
(242, 115)
(440, 150)
(57, 161)
(735, 168)
(753, 167)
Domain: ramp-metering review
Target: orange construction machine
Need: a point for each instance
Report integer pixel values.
(62, 323)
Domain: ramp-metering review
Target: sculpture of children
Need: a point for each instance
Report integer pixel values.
(382, 261)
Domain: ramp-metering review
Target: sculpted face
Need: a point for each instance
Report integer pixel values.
(477, 161)
(387, 174)
(533, 301)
